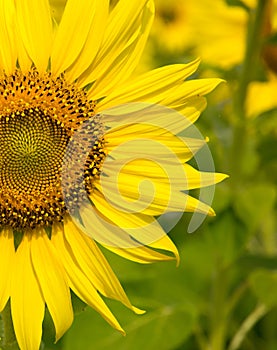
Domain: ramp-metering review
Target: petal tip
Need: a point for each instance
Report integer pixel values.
(221, 177)
(138, 311)
(178, 260)
(211, 212)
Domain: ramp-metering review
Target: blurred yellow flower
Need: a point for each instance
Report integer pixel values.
(74, 152)
(261, 96)
(217, 31)
(220, 41)
(170, 28)
(212, 29)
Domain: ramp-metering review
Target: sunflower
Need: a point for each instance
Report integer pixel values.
(220, 39)
(68, 103)
(170, 29)
(266, 99)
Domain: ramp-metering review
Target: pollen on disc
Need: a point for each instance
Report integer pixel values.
(39, 114)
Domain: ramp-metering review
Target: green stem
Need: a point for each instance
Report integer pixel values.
(201, 339)
(251, 60)
(218, 311)
(235, 297)
(268, 235)
(252, 53)
(8, 339)
(248, 323)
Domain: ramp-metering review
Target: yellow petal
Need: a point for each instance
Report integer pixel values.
(79, 282)
(7, 257)
(136, 140)
(145, 233)
(198, 179)
(125, 220)
(24, 59)
(117, 242)
(94, 264)
(164, 201)
(165, 243)
(93, 41)
(190, 88)
(50, 274)
(151, 129)
(8, 54)
(101, 229)
(123, 65)
(141, 255)
(191, 108)
(164, 148)
(159, 172)
(78, 21)
(124, 26)
(35, 26)
(150, 87)
(154, 115)
(27, 302)
(121, 228)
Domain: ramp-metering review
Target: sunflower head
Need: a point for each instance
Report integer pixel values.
(79, 134)
(38, 116)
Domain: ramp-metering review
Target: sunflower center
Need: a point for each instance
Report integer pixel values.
(31, 147)
(168, 14)
(39, 116)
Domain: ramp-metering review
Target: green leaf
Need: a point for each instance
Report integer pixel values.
(254, 261)
(77, 304)
(164, 328)
(225, 240)
(264, 285)
(253, 204)
(163, 290)
(222, 198)
(49, 333)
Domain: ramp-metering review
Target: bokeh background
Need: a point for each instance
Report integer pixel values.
(223, 296)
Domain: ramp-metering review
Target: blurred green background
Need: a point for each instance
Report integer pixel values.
(223, 296)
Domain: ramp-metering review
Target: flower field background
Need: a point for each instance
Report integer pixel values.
(223, 296)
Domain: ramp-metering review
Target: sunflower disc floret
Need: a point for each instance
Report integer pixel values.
(38, 116)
